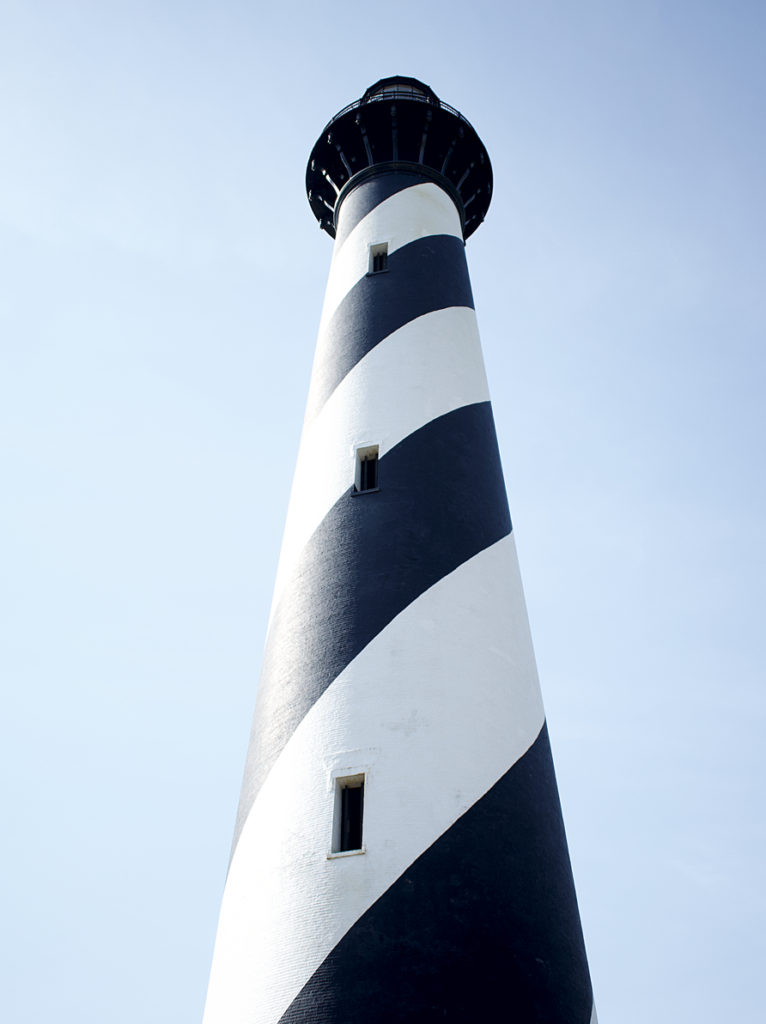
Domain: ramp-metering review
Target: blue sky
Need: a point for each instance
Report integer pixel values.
(161, 278)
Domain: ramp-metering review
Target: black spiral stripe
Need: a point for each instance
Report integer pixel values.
(441, 501)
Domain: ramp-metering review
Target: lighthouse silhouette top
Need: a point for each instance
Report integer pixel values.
(399, 852)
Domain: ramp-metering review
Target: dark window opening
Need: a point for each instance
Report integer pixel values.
(366, 478)
(378, 258)
(368, 473)
(351, 811)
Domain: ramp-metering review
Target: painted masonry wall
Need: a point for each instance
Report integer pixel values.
(399, 647)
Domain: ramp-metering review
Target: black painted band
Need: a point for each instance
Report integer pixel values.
(441, 501)
(428, 274)
(483, 926)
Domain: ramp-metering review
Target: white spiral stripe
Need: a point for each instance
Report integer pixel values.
(440, 704)
(431, 366)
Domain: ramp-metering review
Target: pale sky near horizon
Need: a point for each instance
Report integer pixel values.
(161, 278)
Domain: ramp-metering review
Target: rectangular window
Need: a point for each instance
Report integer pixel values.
(349, 813)
(378, 258)
(366, 478)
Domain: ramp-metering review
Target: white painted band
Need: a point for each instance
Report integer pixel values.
(434, 710)
(427, 368)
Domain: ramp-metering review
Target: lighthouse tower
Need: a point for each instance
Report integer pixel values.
(399, 852)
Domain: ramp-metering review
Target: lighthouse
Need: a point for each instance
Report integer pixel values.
(399, 851)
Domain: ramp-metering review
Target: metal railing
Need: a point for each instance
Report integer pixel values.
(398, 93)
